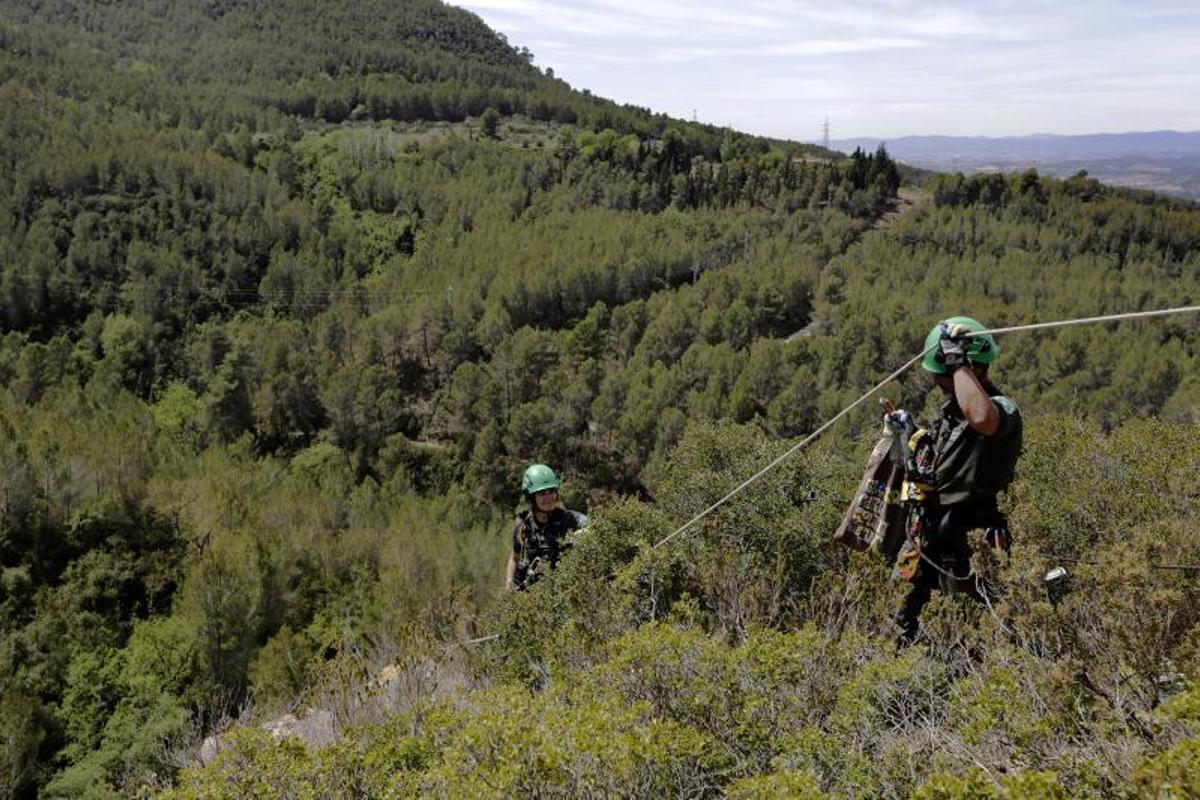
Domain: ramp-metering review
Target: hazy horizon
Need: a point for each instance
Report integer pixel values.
(1022, 136)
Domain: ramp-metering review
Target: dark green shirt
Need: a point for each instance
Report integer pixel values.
(968, 466)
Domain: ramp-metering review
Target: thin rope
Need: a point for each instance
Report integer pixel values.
(896, 374)
(1094, 563)
(791, 450)
(1090, 320)
(948, 573)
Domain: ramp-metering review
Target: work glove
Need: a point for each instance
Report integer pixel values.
(898, 421)
(952, 347)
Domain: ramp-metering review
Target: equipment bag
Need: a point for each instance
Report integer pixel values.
(875, 519)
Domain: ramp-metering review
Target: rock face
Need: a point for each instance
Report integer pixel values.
(209, 750)
(316, 728)
(397, 688)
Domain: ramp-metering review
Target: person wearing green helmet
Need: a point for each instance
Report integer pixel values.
(968, 457)
(541, 531)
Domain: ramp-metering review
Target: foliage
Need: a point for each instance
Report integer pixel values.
(1174, 772)
(289, 296)
(826, 708)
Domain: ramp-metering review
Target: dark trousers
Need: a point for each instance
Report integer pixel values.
(946, 545)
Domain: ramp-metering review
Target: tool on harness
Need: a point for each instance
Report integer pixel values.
(916, 455)
(879, 518)
(874, 520)
(895, 510)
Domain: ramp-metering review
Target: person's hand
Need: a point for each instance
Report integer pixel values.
(897, 421)
(952, 346)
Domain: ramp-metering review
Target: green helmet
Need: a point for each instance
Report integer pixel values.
(980, 349)
(538, 478)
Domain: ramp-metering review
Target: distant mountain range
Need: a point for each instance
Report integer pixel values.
(1164, 161)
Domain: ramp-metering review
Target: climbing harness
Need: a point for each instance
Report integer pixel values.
(912, 447)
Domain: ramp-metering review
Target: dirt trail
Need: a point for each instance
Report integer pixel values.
(906, 198)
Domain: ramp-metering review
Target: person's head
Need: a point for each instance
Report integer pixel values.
(981, 350)
(540, 485)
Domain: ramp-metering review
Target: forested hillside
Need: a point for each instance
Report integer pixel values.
(291, 292)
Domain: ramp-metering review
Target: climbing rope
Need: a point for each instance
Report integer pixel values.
(791, 450)
(812, 436)
(1089, 320)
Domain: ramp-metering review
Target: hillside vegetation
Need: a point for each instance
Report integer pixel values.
(290, 294)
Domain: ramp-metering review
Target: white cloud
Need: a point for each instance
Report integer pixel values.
(881, 67)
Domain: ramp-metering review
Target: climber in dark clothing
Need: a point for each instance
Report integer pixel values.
(541, 532)
(971, 454)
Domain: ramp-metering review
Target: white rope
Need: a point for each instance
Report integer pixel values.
(1089, 320)
(791, 450)
(896, 374)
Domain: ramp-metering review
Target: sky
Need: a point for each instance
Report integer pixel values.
(880, 68)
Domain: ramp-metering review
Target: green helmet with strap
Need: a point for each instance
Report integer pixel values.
(538, 478)
(980, 349)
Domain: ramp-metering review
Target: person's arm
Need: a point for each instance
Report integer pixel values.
(510, 576)
(514, 555)
(981, 413)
